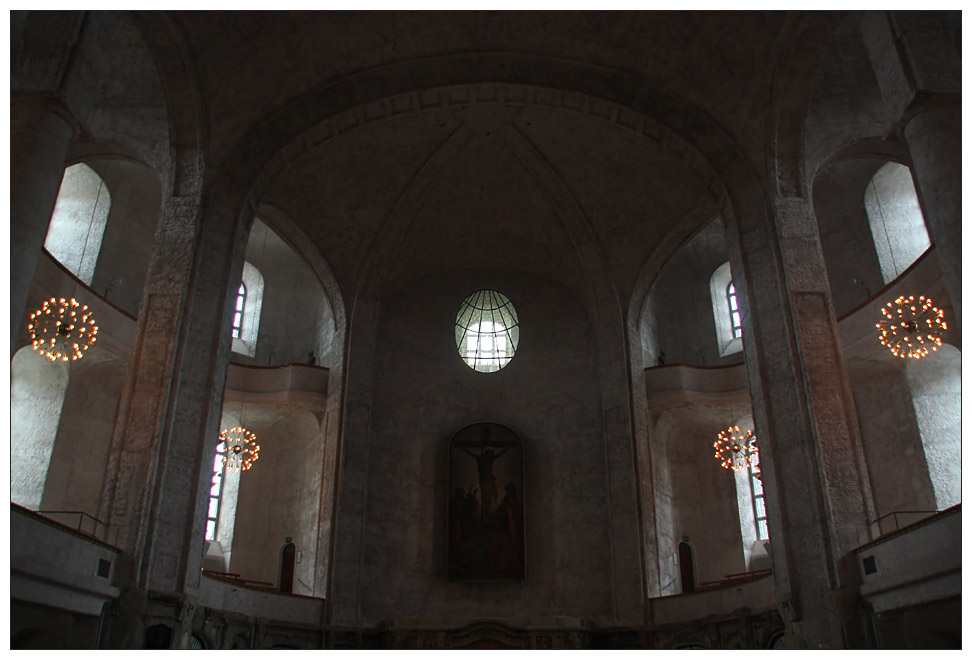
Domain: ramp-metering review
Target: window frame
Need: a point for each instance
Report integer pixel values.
(238, 313)
(719, 283)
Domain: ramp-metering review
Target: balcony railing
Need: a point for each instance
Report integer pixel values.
(86, 523)
(892, 522)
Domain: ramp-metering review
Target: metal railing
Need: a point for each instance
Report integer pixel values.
(86, 523)
(882, 526)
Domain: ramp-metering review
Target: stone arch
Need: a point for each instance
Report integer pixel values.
(801, 44)
(241, 185)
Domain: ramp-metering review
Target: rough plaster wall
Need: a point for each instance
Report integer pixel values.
(116, 90)
(853, 269)
(548, 394)
(897, 224)
(665, 504)
(704, 495)
(295, 319)
(126, 247)
(890, 436)
(846, 104)
(744, 501)
(276, 495)
(936, 391)
(37, 389)
(228, 503)
(77, 471)
(78, 222)
(681, 304)
(311, 486)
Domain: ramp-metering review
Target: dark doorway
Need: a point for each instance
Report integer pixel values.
(688, 570)
(287, 569)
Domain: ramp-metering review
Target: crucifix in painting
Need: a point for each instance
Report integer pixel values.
(485, 520)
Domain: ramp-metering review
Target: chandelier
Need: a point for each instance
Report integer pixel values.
(240, 450)
(911, 328)
(736, 449)
(62, 329)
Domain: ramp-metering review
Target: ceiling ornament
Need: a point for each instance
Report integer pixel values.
(911, 328)
(736, 449)
(240, 449)
(62, 329)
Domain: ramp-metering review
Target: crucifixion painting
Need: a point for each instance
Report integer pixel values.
(486, 504)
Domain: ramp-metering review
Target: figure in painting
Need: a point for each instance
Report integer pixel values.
(484, 464)
(486, 524)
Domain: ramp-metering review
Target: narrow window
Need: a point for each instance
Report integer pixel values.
(736, 319)
(238, 312)
(759, 502)
(726, 312)
(215, 491)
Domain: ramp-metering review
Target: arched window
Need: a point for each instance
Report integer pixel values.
(246, 311)
(726, 312)
(78, 223)
(238, 312)
(897, 224)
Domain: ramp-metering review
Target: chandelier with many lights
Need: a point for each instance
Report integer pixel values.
(240, 450)
(62, 329)
(911, 328)
(736, 449)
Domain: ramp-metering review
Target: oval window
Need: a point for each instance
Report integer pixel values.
(487, 330)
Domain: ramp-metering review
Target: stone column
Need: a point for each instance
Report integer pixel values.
(41, 129)
(934, 136)
(165, 435)
(916, 57)
(814, 478)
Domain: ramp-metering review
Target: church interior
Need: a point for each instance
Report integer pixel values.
(485, 330)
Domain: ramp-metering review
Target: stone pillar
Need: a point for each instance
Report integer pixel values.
(165, 435)
(41, 129)
(934, 136)
(813, 471)
(916, 58)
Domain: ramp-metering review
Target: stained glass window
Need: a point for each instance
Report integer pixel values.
(734, 311)
(238, 312)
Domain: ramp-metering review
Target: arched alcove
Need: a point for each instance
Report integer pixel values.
(78, 462)
(249, 308)
(895, 219)
(726, 314)
(37, 390)
(78, 222)
(935, 382)
(287, 316)
(278, 496)
(686, 317)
